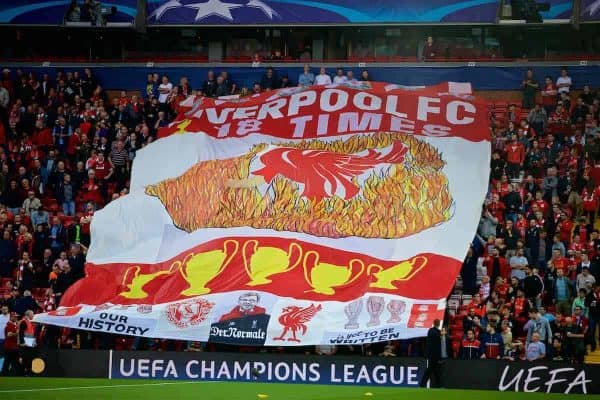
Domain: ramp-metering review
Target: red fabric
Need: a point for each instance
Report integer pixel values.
(589, 200)
(542, 206)
(85, 127)
(561, 263)
(565, 227)
(91, 192)
(29, 330)
(85, 227)
(549, 100)
(515, 153)
(10, 343)
(72, 144)
(2, 134)
(504, 266)
(101, 168)
(492, 350)
(238, 313)
(595, 174)
(43, 137)
(496, 208)
(317, 170)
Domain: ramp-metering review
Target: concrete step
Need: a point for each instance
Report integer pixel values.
(593, 357)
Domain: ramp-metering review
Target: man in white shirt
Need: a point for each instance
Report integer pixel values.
(164, 89)
(340, 77)
(518, 263)
(322, 78)
(4, 318)
(563, 83)
(350, 77)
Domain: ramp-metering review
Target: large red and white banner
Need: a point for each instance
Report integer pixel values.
(315, 215)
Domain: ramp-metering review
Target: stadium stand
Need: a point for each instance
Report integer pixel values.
(67, 145)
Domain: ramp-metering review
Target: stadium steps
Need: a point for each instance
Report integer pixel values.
(592, 357)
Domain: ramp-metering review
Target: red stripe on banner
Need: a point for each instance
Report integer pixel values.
(283, 267)
(320, 111)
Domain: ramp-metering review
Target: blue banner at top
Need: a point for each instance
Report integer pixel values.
(247, 12)
(52, 12)
(559, 9)
(590, 10)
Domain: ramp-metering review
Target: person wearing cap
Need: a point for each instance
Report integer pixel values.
(10, 347)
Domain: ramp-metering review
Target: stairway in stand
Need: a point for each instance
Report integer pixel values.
(592, 357)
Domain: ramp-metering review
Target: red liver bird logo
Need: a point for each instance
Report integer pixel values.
(325, 173)
(294, 319)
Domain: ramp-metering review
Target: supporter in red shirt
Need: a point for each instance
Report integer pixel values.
(515, 156)
(583, 229)
(123, 99)
(521, 225)
(558, 261)
(549, 95)
(501, 287)
(73, 143)
(102, 167)
(496, 208)
(541, 203)
(565, 227)
(91, 190)
(85, 222)
(470, 347)
(577, 244)
(595, 172)
(496, 266)
(589, 202)
(478, 305)
(11, 364)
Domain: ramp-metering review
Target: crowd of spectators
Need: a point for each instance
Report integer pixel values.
(528, 285)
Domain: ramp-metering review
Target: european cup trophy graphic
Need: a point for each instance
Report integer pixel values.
(396, 308)
(353, 311)
(375, 306)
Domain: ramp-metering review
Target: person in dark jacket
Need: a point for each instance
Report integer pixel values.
(533, 286)
(468, 272)
(63, 282)
(470, 348)
(592, 302)
(8, 255)
(269, 80)
(491, 344)
(436, 350)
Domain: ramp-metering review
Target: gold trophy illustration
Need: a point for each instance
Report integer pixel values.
(324, 277)
(352, 311)
(263, 262)
(199, 269)
(135, 288)
(399, 272)
(375, 306)
(396, 308)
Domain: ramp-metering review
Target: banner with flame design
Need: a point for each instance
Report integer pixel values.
(333, 214)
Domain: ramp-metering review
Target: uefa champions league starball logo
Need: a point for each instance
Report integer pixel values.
(205, 9)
